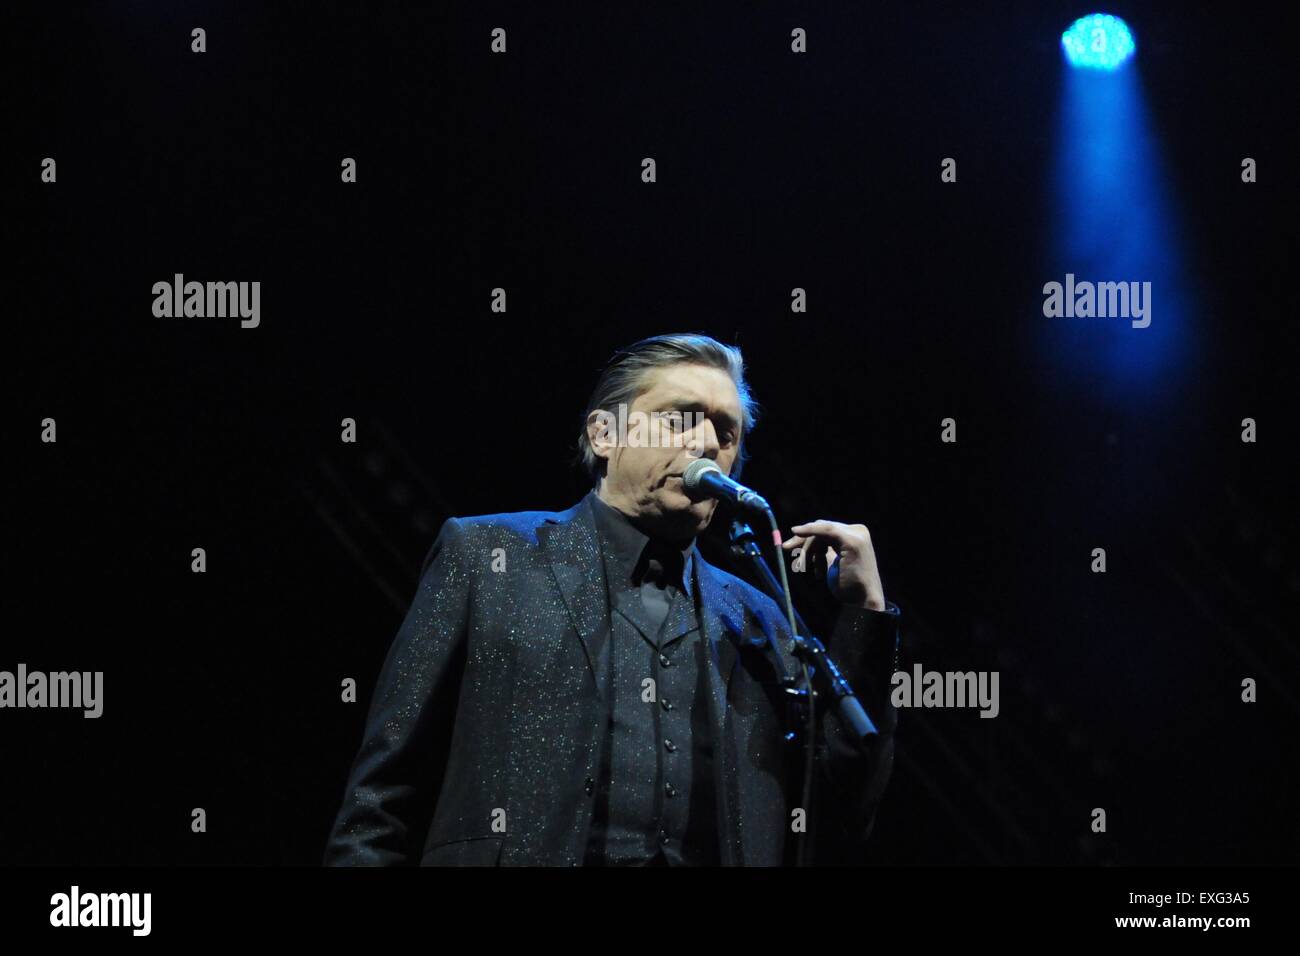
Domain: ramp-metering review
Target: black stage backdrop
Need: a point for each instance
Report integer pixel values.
(522, 171)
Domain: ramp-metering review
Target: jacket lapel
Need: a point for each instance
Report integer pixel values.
(572, 552)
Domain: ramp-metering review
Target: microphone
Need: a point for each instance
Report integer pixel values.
(703, 479)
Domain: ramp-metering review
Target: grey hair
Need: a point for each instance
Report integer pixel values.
(623, 379)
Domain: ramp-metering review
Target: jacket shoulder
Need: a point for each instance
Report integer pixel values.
(519, 524)
(505, 529)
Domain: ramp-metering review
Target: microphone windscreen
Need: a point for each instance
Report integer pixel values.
(695, 471)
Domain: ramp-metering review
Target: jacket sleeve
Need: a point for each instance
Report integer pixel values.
(851, 776)
(397, 773)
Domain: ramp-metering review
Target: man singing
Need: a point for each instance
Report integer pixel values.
(582, 687)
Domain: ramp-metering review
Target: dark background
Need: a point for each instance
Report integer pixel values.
(221, 690)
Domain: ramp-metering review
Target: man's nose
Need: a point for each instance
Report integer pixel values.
(704, 441)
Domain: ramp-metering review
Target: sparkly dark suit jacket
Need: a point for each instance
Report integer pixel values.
(484, 730)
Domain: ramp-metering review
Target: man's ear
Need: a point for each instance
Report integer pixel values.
(602, 433)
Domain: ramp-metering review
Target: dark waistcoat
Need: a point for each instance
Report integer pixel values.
(655, 799)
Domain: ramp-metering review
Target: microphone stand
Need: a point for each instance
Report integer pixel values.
(816, 661)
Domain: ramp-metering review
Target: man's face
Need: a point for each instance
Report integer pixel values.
(700, 418)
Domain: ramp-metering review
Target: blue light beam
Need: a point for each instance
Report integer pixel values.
(1114, 220)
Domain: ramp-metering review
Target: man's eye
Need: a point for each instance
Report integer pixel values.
(673, 420)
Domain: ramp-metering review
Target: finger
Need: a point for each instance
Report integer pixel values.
(810, 547)
(832, 530)
(806, 543)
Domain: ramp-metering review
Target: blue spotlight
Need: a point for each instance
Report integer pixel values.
(1114, 214)
(1098, 41)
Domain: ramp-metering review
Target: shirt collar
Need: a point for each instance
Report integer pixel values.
(623, 541)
